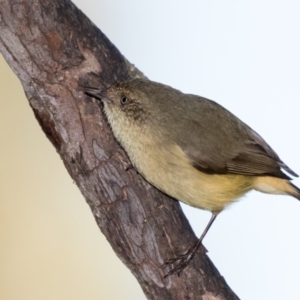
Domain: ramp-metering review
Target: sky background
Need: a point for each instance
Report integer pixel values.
(242, 54)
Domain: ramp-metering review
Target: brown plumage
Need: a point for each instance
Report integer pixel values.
(191, 148)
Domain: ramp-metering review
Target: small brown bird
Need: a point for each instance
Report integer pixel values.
(191, 148)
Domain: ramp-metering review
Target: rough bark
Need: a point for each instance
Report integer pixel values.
(55, 50)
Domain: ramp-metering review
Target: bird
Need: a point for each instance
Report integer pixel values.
(191, 148)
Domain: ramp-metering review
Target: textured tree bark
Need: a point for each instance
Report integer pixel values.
(55, 50)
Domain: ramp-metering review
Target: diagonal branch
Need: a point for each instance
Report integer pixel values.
(55, 50)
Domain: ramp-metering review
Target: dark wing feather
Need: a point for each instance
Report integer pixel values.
(267, 150)
(225, 145)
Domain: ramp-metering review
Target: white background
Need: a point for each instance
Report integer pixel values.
(245, 56)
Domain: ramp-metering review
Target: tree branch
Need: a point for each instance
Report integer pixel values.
(55, 50)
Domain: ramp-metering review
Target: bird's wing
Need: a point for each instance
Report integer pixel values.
(254, 160)
(229, 146)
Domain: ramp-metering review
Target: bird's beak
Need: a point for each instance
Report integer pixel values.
(96, 93)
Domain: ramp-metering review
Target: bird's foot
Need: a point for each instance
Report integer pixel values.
(181, 261)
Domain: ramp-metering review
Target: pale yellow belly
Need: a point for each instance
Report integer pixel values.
(171, 172)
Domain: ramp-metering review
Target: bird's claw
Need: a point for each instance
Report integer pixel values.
(182, 260)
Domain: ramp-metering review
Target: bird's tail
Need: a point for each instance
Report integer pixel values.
(295, 191)
(274, 185)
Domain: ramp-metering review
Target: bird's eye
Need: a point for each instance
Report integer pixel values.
(124, 100)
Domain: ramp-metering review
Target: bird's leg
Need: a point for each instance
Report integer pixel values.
(183, 260)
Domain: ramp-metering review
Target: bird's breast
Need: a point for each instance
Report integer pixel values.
(165, 165)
